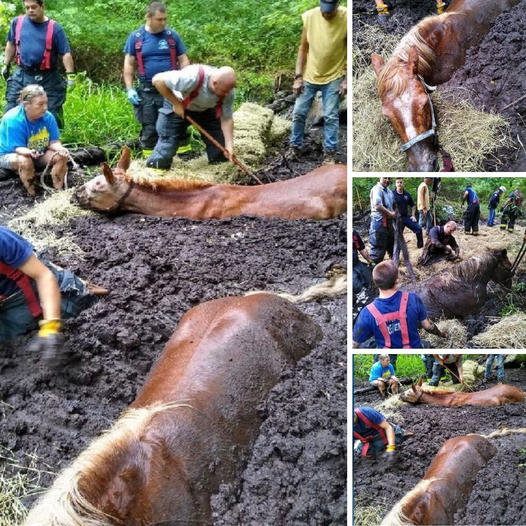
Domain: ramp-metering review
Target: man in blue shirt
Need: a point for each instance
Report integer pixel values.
(36, 63)
(394, 317)
(472, 213)
(149, 50)
(376, 434)
(381, 230)
(33, 290)
(29, 138)
(404, 203)
(383, 376)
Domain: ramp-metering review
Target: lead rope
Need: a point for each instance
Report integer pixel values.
(74, 166)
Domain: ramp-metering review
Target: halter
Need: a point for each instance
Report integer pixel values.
(419, 397)
(433, 130)
(118, 204)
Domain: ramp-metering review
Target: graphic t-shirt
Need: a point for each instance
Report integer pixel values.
(16, 130)
(14, 251)
(377, 371)
(155, 50)
(366, 325)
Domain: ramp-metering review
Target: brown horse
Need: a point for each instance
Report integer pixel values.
(461, 290)
(320, 194)
(446, 485)
(191, 424)
(426, 56)
(496, 395)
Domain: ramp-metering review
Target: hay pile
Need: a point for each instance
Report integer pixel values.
(506, 334)
(255, 130)
(467, 134)
(457, 335)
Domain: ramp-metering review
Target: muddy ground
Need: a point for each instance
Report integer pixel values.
(493, 77)
(156, 270)
(499, 492)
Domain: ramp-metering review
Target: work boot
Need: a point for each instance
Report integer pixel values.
(383, 14)
(293, 153)
(329, 157)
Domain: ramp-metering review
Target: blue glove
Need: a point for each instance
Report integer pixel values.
(133, 96)
(71, 80)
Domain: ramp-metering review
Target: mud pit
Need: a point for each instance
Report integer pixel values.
(157, 269)
(500, 488)
(493, 76)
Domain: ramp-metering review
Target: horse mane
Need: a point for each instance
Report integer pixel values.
(396, 516)
(63, 504)
(389, 78)
(165, 185)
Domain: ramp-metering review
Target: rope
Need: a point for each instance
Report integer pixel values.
(74, 166)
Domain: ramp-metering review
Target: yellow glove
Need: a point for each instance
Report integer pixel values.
(49, 327)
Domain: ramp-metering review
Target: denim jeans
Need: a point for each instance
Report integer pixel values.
(500, 365)
(15, 317)
(491, 217)
(427, 221)
(331, 121)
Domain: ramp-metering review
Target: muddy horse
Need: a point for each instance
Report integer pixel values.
(446, 485)
(462, 290)
(320, 194)
(192, 423)
(496, 395)
(428, 55)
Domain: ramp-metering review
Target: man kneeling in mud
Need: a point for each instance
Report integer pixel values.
(376, 434)
(440, 242)
(33, 290)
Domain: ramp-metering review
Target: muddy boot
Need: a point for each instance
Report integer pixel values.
(442, 5)
(383, 14)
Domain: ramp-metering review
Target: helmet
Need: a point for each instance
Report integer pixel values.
(502, 189)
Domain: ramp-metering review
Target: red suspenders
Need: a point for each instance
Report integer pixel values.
(24, 283)
(46, 59)
(366, 440)
(195, 92)
(138, 51)
(382, 319)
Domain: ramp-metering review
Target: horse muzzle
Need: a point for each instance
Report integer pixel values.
(80, 197)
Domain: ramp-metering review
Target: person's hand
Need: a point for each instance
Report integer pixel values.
(229, 153)
(133, 96)
(424, 211)
(444, 333)
(413, 218)
(179, 109)
(71, 80)
(49, 342)
(392, 213)
(343, 87)
(297, 87)
(390, 457)
(6, 71)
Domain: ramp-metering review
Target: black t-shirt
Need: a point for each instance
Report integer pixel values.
(404, 202)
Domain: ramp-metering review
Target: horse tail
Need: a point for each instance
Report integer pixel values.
(331, 288)
(507, 431)
(63, 504)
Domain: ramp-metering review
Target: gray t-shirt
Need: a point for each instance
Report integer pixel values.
(380, 196)
(183, 82)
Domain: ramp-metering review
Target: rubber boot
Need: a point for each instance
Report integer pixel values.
(441, 6)
(383, 14)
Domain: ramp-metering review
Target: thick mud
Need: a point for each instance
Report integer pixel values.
(156, 270)
(492, 78)
(499, 491)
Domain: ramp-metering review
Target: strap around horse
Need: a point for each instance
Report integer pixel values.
(433, 130)
(119, 203)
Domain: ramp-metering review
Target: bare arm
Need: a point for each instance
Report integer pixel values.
(67, 60)
(227, 126)
(48, 291)
(389, 431)
(9, 52)
(56, 146)
(303, 50)
(160, 84)
(183, 61)
(128, 71)
(422, 198)
(381, 208)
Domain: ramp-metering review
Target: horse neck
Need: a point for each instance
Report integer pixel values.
(445, 399)
(477, 269)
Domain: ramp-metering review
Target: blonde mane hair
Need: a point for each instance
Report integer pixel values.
(396, 516)
(389, 79)
(63, 504)
(165, 185)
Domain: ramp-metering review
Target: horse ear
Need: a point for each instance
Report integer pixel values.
(412, 61)
(124, 161)
(106, 170)
(378, 63)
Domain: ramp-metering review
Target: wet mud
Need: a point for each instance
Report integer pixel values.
(499, 491)
(156, 270)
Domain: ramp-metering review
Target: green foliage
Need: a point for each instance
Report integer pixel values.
(7, 11)
(410, 365)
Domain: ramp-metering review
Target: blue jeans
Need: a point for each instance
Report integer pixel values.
(427, 221)
(491, 217)
(500, 365)
(331, 121)
(15, 317)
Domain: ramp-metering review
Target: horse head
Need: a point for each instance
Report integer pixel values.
(414, 394)
(502, 272)
(105, 192)
(406, 103)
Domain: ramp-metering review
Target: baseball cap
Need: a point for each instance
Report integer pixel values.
(502, 189)
(328, 6)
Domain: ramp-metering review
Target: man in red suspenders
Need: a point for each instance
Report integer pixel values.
(394, 317)
(35, 43)
(376, 434)
(449, 362)
(151, 49)
(36, 294)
